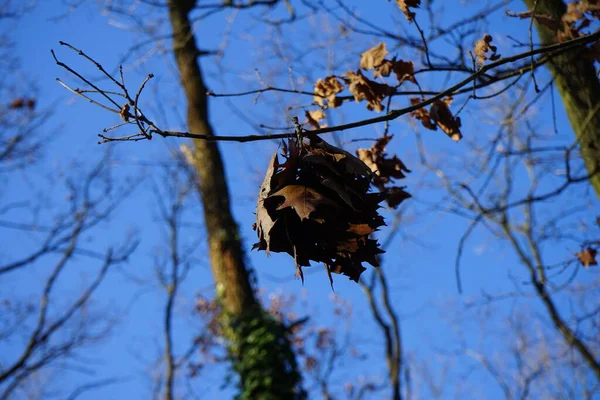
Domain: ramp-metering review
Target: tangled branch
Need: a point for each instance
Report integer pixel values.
(129, 109)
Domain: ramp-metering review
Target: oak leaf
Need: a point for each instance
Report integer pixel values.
(304, 200)
(363, 88)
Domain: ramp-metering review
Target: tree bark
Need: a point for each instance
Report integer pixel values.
(577, 83)
(260, 350)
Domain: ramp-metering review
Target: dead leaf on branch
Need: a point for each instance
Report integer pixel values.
(386, 169)
(314, 117)
(422, 115)
(587, 257)
(316, 206)
(363, 88)
(326, 89)
(373, 57)
(404, 70)
(439, 115)
(442, 116)
(482, 47)
(405, 6)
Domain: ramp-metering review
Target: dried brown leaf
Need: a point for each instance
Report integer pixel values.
(264, 222)
(313, 118)
(404, 70)
(587, 257)
(442, 116)
(405, 6)
(373, 57)
(482, 47)
(384, 69)
(422, 115)
(363, 88)
(326, 89)
(304, 200)
(396, 195)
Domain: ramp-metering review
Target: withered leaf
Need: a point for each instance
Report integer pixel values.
(482, 47)
(422, 115)
(373, 57)
(396, 195)
(302, 199)
(317, 206)
(587, 257)
(264, 222)
(363, 88)
(442, 116)
(314, 117)
(326, 89)
(384, 69)
(405, 6)
(383, 167)
(404, 70)
(361, 229)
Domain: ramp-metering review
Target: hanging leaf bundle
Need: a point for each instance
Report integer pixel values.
(316, 206)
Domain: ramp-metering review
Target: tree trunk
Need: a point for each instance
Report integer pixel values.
(579, 88)
(260, 350)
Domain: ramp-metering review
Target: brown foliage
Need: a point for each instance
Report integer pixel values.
(362, 88)
(385, 170)
(405, 6)
(326, 89)
(587, 257)
(482, 47)
(373, 57)
(439, 115)
(316, 206)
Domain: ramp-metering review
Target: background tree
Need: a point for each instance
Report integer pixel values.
(512, 190)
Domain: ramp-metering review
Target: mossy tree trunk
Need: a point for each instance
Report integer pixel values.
(260, 351)
(577, 82)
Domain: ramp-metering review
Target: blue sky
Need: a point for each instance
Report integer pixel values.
(420, 270)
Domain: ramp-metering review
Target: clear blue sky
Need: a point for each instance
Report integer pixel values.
(420, 268)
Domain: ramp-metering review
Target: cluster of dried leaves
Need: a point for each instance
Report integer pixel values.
(579, 15)
(360, 86)
(385, 169)
(317, 206)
